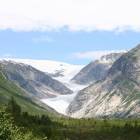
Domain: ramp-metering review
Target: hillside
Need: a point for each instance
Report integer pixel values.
(35, 82)
(116, 96)
(96, 70)
(32, 105)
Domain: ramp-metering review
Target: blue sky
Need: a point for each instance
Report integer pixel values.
(63, 45)
(73, 31)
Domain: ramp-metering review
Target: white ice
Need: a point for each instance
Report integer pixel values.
(61, 102)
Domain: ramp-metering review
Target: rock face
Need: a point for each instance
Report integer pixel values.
(33, 81)
(96, 70)
(29, 104)
(116, 96)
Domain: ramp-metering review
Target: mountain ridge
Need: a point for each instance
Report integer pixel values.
(96, 70)
(33, 80)
(116, 96)
(60, 71)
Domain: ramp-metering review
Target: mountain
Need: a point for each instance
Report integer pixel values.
(96, 70)
(60, 71)
(8, 89)
(118, 95)
(33, 81)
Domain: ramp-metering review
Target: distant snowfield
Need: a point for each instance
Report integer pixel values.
(61, 102)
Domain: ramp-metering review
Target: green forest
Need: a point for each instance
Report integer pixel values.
(18, 125)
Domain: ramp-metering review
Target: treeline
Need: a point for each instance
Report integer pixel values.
(18, 125)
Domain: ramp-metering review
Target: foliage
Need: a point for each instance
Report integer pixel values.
(18, 125)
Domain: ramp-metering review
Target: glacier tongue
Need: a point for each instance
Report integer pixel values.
(61, 102)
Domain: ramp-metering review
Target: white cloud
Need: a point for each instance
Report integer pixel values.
(93, 55)
(42, 39)
(85, 15)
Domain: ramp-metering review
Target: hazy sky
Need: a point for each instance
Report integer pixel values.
(74, 31)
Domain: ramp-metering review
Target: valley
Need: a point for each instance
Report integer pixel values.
(67, 74)
(69, 70)
(63, 108)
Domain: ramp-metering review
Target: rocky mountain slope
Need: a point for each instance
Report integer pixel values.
(96, 70)
(8, 89)
(33, 81)
(118, 95)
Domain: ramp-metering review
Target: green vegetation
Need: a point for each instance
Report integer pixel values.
(8, 90)
(18, 125)
(11, 127)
